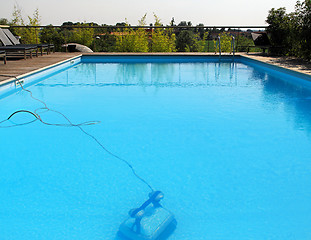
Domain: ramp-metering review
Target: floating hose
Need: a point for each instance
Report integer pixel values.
(38, 117)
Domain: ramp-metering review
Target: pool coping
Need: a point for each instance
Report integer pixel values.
(259, 58)
(13, 79)
(252, 58)
(299, 65)
(282, 69)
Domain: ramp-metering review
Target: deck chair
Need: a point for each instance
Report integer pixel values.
(15, 51)
(260, 40)
(3, 55)
(15, 41)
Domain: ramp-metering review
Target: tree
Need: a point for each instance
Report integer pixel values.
(28, 35)
(17, 20)
(301, 29)
(172, 23)
(105, 43)
(130, 40)
(186, 41)
(291, 31)
(4, 21)
(278, 28)
(204, 44)
(225, 42)
(162, 41)
(82, 35)
(17, 16)
(31, 35)
(200, 30)
(182, 23)
(51, 35)
(242, 42)
(68, 25)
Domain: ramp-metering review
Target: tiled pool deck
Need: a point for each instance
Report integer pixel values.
(20, 67)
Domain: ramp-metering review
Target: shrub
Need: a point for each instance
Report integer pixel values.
(225, 42)
(28, 35)
(82, 36)
(242, 43)
(106, 43)
(51, 35)
(204, 43)
(130, 40)
(162, 41)
(186, 41)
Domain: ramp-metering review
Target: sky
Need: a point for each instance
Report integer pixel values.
(208, 12)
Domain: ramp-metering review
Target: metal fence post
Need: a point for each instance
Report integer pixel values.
(233, 45)
(36, 35)
(219, 45)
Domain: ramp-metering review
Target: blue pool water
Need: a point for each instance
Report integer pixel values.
(229, 144)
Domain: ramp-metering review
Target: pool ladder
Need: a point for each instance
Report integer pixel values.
(232, 46)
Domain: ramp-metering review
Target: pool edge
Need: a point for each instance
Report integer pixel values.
(225, 56)
(292, 71)
(254, 58)
(13, 79)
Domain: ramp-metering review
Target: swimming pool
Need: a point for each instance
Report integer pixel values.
(228, 142)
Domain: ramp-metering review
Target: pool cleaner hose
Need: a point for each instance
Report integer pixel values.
(70, 124)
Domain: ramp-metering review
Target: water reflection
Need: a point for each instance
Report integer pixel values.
(292, 97)
(131, 74)
(278, 90)
(150, 74)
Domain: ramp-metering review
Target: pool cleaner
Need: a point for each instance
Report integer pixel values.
(150, 221)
